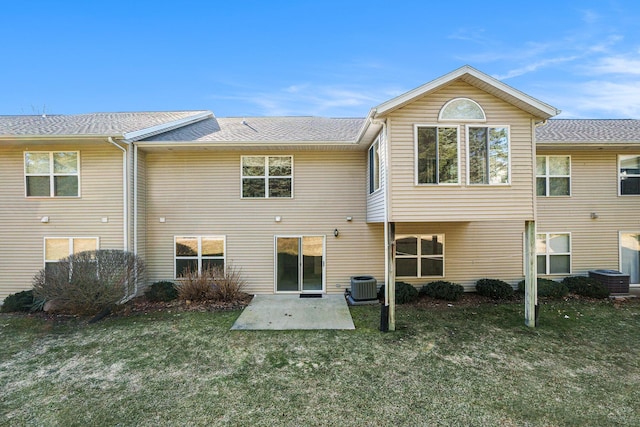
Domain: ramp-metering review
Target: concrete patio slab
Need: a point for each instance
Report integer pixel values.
(285, 312)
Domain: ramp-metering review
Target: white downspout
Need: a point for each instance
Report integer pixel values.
(125, 201)
(135, 199)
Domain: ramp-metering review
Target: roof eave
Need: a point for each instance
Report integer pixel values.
(540, 109)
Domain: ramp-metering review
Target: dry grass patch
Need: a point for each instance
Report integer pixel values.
(475, 366)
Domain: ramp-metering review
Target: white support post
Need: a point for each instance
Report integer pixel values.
(391, 277)
(530, 278)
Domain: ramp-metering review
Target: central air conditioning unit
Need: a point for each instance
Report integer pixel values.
(364, 290)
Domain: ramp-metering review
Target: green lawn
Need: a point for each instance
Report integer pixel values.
(447, 366)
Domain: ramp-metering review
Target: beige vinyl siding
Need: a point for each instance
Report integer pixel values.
(141, 214)
(22, 233)
(474, 250)
(376, 200)
(594, 188)
(463, 202)
(198, 193)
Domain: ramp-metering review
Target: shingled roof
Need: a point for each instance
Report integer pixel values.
(589, 131)
(93, 124)
(275, 129)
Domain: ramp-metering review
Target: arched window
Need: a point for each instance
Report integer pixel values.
(462, 109)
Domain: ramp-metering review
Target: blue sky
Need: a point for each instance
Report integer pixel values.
(324, 57)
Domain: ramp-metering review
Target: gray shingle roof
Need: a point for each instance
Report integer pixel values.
(589, 130)
(237, 129)
(93, 124)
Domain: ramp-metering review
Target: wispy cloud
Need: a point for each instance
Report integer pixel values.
(617, 65)
(607, 99)
(529, 68)
(310, 99)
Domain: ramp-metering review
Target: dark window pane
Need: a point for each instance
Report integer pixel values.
(559, 264)
(280, 187)
(432, 267)
(498, 156)
(630, 166)
(38, 186)
(427, 162)
(184, 265)
(541, 186)
(406, 267)
(559, 186)
(407, 246)
(630, 185)
(430, 245)
(253, 187)
(66, 186)
(448, 155)
(478, 156)
(542, 264)
(209, 264)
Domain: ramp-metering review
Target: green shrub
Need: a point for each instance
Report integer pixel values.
(90, 282)
(161, 291)
(20, 301)
(494, 288)
(443, 290)
(586, 287)
(405, 293)
(548, 288)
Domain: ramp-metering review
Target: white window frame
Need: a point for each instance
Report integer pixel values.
(549, 254)
(51, 174)
(374, 167)
(199, 256)
(547, 176)
(415, 157)
(488, 126)
(461, 119)
(418, 257)
(71, 247)
(622, 176)
(266, 176)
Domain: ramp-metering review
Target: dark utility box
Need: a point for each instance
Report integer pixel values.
(617, 282)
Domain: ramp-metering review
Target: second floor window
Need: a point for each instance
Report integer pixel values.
(629, 175)
(52, 174)
(437, 155)
(553, 175)
(267, 176)
(488, 155)
(374, 167)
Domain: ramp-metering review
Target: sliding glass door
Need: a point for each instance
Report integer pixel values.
(300, 264)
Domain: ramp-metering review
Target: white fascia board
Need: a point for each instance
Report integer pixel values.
(409, 96)
(248, 144)
(165, 127)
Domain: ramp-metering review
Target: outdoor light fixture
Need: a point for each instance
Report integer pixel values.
(163, 219)
(594, 215)
(349, 218)
(336, 232)
(278, 218)
(44, 219)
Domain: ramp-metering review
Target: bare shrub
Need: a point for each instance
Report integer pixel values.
(90, 282)
(196, 287)
(229, 284)
(215, 284)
